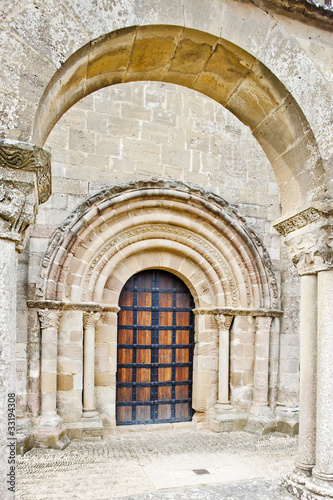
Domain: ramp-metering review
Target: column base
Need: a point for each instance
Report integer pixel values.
(303, 470)
(51, 432)
(261, 420)
(92, 425)
(224, 418)
(287, 420)
(24, 435)
(305, 488)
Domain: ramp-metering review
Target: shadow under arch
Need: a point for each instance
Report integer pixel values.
(210, 65)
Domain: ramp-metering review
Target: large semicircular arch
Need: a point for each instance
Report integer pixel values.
(210, 65)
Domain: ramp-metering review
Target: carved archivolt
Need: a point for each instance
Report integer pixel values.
(142, 215)
(162, 231)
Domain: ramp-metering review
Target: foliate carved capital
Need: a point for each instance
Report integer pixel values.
(25, 180)
(18, 210)
(309, 236)
(49, 318)
(312, 251)
(223, 322)
(90, 319)
(21, 156)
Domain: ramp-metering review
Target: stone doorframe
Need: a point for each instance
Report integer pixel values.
(180, 228)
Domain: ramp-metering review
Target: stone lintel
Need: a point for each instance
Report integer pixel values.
(72, 306)
(233, 311)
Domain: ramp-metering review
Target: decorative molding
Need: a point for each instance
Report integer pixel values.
(90, 319)
(297, 221)
(49, 318)
(66, 306)
(227, 311)
(223, 322)
(22, 156)
(161, 231)
(66, 235)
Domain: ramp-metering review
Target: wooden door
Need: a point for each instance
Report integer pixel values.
(155, 350)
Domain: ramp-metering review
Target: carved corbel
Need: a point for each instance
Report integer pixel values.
(25, 181)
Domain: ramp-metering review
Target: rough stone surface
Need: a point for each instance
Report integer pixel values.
(147, 462)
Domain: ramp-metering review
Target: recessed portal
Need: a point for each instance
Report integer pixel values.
(155, 350)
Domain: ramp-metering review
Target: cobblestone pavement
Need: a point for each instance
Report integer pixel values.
(177, 464)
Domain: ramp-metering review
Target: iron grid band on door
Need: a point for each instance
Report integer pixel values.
(167, 400)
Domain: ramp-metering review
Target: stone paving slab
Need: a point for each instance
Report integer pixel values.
(149, 463)
(253, 490)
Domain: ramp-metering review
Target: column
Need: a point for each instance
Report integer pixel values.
(309, 237)
(89, 322)
(7, 351)
(49, 323)
(50, 432)
(308, 376)
(323, 471)
(25, 181)
(223, 324)
(261, 364)
(92, 424)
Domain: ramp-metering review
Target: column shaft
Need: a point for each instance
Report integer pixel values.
(223, 388)
(49, 332)
(308, 372)
(324, 455)
(89, 320)
(261, 363)
(7, 349)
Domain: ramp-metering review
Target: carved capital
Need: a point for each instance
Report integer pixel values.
(312, 251)
(25, 181)
(18, 210)
(223, 322)
(49, 318)
(309, 236)
(21, 156)
(90, 319)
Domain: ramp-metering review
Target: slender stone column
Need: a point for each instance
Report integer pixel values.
(50, 432)
(261, 362)
(25, 181)
(49, 322)
(223, 324)
(89, 322)
(323, 471)
(308, 375)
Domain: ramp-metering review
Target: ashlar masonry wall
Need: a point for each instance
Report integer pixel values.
(139, 131)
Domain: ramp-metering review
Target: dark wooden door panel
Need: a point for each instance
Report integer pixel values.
(155, 350)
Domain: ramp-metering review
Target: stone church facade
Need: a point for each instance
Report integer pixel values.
(188, 140)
